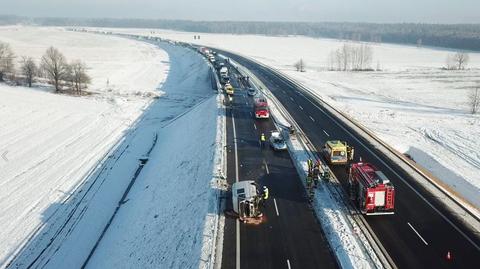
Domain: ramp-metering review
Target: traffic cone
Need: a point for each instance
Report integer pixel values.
(449, 256)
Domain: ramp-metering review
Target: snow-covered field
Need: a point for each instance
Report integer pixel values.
(411, 104)
(114, 64)
(68, 160)
(51, 142)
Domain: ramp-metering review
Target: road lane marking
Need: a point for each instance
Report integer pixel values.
(396, 174)
(266, 166)
(291, 98)
(417, 233)
(288, 264)
(312, 118)
(237, 256)
(251, 114)
(235, 146)
(276, 207)
(255, 126)
(300, 107)
(326, 133)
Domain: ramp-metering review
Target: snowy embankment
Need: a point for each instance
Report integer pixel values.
(51, 143)
(411, 104)
(161, 225)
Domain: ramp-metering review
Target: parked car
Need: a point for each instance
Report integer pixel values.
(277, 142)
(251, 91)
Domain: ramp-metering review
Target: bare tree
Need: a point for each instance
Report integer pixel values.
(461, 60)
(300, 65)
(367, 56)
(331, 60)
(80, 77)
(6, 60)
(54, 66)
(68, 76)
(344, 55)
(474, 100)
(350, 57)
(29, 70)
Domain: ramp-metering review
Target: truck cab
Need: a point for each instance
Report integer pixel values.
(261, 108)
(245, 199)
(371, 190)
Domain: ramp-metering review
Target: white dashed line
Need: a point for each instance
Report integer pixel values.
(300, 107)
(266, 167)
(288, 264)
(276, 207)
(312, 118)
(291, 98)
(255, 126)
(425, 242)
(237, 256)
(326, 133)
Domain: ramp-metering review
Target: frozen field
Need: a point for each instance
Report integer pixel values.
(412, 104)
(68, 160)
(129, 67)
(51, 142)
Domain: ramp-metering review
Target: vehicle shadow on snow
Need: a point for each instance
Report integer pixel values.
(71, 227)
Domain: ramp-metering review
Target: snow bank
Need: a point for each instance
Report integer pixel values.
(161, 225)
(163, 221)
(411, 104)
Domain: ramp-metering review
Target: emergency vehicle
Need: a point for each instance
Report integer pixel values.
(371, 190)
(261, 108)
(337, 152)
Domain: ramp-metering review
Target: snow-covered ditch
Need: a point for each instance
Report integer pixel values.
(69, 159)
(411, 104)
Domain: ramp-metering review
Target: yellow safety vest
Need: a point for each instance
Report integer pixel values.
(265, 194)
(262, 138)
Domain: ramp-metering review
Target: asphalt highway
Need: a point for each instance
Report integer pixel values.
(290, 236)
(418, 235)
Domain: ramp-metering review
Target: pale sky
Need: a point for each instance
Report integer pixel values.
(428, 11)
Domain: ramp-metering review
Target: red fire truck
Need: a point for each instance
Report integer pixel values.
(371, 190)
(261, 108)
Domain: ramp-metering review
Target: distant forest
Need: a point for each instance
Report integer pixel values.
(454, 36)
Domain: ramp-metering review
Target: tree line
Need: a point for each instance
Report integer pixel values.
(457, 36)
(53, 66)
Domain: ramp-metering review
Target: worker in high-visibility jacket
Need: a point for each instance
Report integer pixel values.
(265, 193)
(263, 139)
